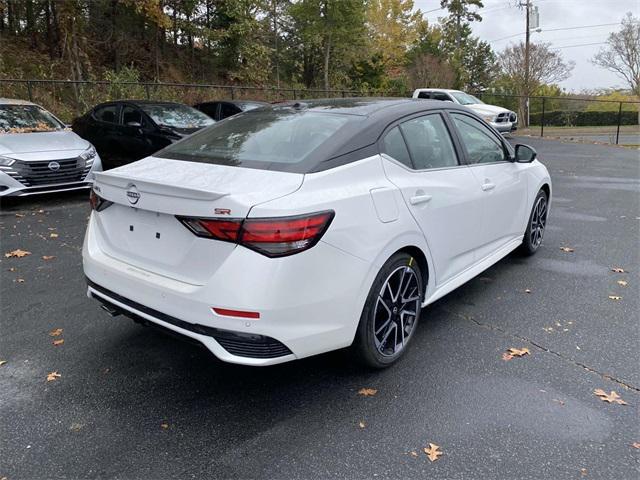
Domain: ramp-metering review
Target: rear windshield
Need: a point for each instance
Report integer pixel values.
(176, 115)
(27, 118)
(270, 139)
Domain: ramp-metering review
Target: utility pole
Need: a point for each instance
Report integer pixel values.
(526, 60)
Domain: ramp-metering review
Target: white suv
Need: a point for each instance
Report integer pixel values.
(38, 154)
(500, 118)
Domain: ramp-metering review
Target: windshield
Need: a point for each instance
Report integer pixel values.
(267, 139)
(27, 119)
(176, 115)
(465, 98)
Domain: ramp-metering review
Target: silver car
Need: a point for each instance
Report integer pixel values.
(39, 154)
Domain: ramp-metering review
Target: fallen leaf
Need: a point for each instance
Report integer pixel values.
(583, 471)
(506, 357)
(622, 283)
(612, 397)
(567, 249)
(527, 290)
(433, 452)
(55, 333)
(20, 280)
(367, 392)
(58, 342)
(76, 427)
(361, 424)
(164, 425)
(19, 215)
(2, 362)
(53, 235)
(17, 253)
(53, 376)
(515, 352)
(615, 297)
(561, 402)
(617, 270)
(413, 453)
(48, 257)
(636, 445)
(13, 269)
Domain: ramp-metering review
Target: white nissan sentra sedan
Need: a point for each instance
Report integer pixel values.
(292, 230)
(39, 155)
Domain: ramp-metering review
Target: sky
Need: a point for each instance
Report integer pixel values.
(500, 18)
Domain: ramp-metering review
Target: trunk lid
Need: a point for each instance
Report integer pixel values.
(141, 228)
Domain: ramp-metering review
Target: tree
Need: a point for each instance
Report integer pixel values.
(457, 30)
(622, 53)
(393, 27)
(545, 66)
(428, 70)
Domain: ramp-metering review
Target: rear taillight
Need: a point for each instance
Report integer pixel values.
(97, 202)
(273, 237)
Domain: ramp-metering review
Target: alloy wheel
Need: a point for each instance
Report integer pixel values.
(538, 221)
(397, 306)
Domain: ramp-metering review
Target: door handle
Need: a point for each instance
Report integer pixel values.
(488, 186)
(417, 199)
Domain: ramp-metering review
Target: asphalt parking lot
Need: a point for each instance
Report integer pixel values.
(134, 403)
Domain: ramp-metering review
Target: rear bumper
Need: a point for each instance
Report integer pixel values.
(309, 303)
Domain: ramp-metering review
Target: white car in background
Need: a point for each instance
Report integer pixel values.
(502, 119)
(296, 229)
(38, 154)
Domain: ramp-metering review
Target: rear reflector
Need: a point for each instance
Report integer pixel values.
(273, 237)
(236, 313)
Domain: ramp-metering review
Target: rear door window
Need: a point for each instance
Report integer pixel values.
(108, 113)
(227, 110)
(429, 142)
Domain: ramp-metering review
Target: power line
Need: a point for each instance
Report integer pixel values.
(578, 45)
(556, 30)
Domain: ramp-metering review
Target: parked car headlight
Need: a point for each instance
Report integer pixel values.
(489, 118)
(6, 161)
(89, 153)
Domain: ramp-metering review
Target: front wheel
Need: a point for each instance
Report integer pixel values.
(537, 223)
(391, 313)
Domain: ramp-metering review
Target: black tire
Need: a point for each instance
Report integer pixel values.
(371, 348)
(536, 225)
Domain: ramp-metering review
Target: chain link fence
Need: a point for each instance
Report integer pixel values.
(575, 118)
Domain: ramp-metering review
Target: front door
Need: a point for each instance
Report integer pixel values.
(441, 193)
(502, 182)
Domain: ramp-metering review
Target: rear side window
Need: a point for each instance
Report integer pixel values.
(271, 139)
(107, 114)
(423, 95)
(429, 142)
(394, 146)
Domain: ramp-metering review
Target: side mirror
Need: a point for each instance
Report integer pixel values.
(525, 153)
(134, 124)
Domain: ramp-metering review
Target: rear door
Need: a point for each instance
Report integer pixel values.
(502, 182)
(103, 131)
(440, 191)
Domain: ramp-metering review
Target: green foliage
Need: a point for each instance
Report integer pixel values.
(569, 118)
(120, 84)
